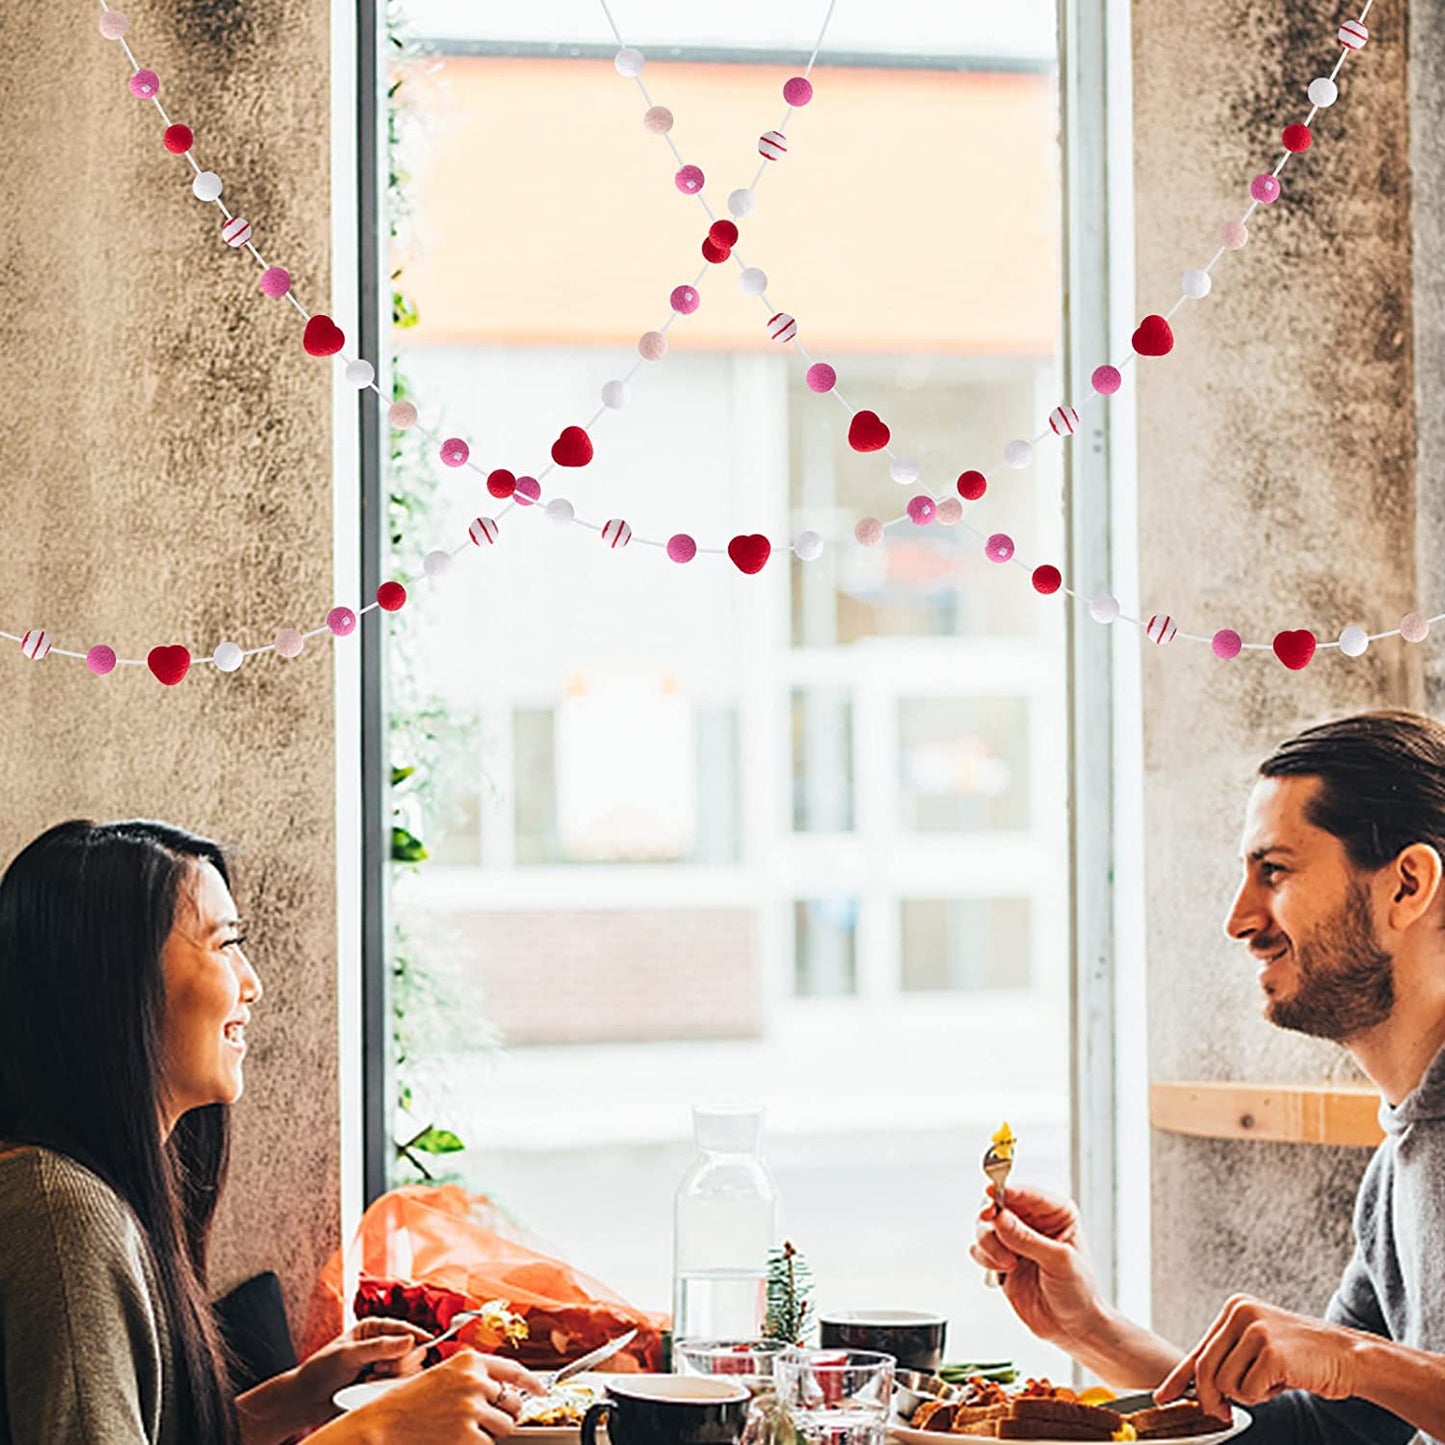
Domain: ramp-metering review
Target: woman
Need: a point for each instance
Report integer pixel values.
(124, 1001)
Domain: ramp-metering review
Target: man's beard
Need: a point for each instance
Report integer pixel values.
(1346, 980)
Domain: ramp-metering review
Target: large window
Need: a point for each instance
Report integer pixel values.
(798, 838)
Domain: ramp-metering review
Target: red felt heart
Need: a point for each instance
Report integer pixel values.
(573, 448)
(867, 433)
(169, 664)
(1153, 337)
(750, 553)
(322, 337)
(1295, 649)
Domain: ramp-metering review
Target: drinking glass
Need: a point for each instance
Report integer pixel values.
(750, 1362)
(836, 1397)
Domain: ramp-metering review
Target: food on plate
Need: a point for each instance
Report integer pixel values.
(1038, 1411)
(563, 1406)
(1184, 1417)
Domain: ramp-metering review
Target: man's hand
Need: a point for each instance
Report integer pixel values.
(1252, 1352)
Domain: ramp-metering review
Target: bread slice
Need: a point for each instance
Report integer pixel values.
(1183, 1417)
(1067, 1412)
(936, 1415)
(986, 1428)
(1050, 1430)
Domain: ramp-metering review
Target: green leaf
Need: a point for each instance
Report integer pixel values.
(405, 1099)
(432, 1140)
(404, 314)
(406, 847)
(400, 775)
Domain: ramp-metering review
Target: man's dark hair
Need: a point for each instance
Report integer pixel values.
(1382, 782)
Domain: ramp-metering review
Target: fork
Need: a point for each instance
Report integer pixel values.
(996, 1166)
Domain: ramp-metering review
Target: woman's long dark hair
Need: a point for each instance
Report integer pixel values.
(85, 911)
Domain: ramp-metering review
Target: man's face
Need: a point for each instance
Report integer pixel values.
(1307, 915)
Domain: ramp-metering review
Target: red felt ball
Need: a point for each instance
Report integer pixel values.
(1047, 579)
(723, 232)
(177, 139)
(168, 665)
(1153, 337)
(391, 596)
(715, 251)
(1297, 138)
(501, 484)
(972, 485)
(1295, 649)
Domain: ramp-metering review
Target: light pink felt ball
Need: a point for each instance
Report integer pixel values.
(821, 377)
(681, 548)
(921, 510)
(1106, 380)
(868, 532)
(113, 26)
(652, 346)
(341, 621)
(401, 415)
(1226, 643)
(1233, 235)
(658, 120)
(1414, 627)
(289, 643)
(798, 90)
(275, 280)
(949, 512)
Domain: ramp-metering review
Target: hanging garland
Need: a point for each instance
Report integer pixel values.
(867, 432)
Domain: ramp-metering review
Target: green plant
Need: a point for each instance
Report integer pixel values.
(790, 1296)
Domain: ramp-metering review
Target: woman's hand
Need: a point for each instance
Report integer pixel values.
(1252, 1352)
(470, 1400)
(1037, 1243)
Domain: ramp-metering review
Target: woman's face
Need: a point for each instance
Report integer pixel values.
(210, 988)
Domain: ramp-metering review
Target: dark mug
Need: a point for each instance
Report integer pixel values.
(915, 1340)
(669, 1410)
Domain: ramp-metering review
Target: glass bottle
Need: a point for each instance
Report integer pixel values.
(725, 1223)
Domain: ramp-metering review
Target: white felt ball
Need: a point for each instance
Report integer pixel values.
(752, 281)
(808, 546)
(228, 657)
(559, 509)
(1104, 607)
(1018, 454)
(1196, 284)
(629, 62)
(1323, 92)
(436, 564)
(359, 373)
(1354, 641)
(742, 203)
(903, 470)
(206, 186)
(614, 395)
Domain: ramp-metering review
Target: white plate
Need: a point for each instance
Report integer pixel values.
(909, 1436)
(353, 1397)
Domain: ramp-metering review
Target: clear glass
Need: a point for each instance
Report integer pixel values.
(836, 1397)
(751, 1363)
(725, 1221)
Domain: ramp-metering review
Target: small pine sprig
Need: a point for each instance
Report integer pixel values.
(790, 1296)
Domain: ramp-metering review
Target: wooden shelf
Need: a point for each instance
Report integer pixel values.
(1279, 1113)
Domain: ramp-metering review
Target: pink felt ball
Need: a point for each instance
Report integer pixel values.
(652, 346)
(341, 621)
(289, 643)
(869, 531)
(949, 512)
(275, 280)
(529, 490)
(1226, 643)
(1265, 189)
(921, 510)
(113, 26)
(1106, 380)
(401, 415)
(684, 300)
(454, 452)
(689, 180)
(999, 547)
(101, 660)
(821, 377)
(1233, 235)
(798, 90)
(144, 84)
(681, 548)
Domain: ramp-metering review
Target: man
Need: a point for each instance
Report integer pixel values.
(1342, 906)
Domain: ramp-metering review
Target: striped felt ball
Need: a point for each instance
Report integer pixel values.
(35, 644)
(484, 529)
(1063, 421)
(772, 145)
(1352, 35)
(1161, 629)
(782, 327)
(236, 231)
(617, 533)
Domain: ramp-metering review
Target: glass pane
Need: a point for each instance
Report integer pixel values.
(963, 764)
(959, 945)
(825, 947)
(822, 761)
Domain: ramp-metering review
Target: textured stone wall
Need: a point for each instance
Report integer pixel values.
(1277, 489)
(167, 479)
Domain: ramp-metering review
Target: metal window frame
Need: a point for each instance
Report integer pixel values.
(1094, 86)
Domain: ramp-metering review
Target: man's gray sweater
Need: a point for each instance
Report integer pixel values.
(1395, 1284)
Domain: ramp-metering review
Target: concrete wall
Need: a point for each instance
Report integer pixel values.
(167, 479)
(1277, 489)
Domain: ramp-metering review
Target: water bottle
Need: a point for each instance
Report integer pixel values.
(725, 1224)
